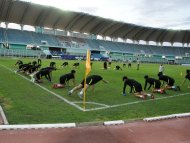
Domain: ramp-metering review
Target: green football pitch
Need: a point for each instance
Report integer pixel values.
(25, 102)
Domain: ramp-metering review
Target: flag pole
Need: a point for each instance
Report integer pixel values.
(84, 93)
(87, 70)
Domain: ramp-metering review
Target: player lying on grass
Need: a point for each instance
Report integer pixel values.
(155, 83)
(90, 81)
(187, 76)
(64, 80)
(169, 82)
(136, 87)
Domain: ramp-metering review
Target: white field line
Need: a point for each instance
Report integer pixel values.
(105, 106)
(5, 121)
(95, 103)
(136, 102)
(57, 95)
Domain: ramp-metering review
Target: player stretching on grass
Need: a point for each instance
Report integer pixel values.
(138, 64)
(155, 83)
(105, 66)
(186, 77)
(169, 82)
(137, 87)
(117, 68)
(161, 69)
(90, 80)
(52, 64)
(22, 67)
(65, 64)
(64, 80)
(19, 62)
(129, 63)
(47, 72)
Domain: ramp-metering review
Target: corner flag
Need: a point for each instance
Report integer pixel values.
(87, 71)
(88, 66)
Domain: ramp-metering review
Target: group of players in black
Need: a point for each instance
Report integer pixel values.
(33, 69)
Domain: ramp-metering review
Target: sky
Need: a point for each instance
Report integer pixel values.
(167, 14)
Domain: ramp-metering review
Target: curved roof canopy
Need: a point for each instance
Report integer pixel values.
(14, 11)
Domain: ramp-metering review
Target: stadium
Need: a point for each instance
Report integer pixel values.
(60, 36)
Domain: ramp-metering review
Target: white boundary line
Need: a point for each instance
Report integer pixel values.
(99, 108)
(95, 103)
(57, 95)
(136, 102)
(5, 121)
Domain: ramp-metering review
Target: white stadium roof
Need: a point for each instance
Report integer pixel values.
(26, 13)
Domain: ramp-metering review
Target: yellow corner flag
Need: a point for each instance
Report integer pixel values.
(87, 71)
(88, 66)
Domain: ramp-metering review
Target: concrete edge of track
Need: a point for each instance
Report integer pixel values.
(106, 123)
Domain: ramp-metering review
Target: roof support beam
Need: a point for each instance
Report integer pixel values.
(150, 35)
(188, 37)
(9, 10)
(117, 30)
(101, 27)
(45, 16)
(110, 27)
(184, 39)
(130, 31)
(139, 33)
(24, 13)
(39, 17)
(57, 21)
(106, 28)
(161, 36)
(85, 24)
(73, 21)
(94, 29)
(173, 37)
(2, 8)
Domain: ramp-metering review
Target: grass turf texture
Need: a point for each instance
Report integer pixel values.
(25, 103)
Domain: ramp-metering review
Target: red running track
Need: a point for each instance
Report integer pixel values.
(166, 131)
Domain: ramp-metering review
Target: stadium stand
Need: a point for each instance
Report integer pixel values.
(18, 39)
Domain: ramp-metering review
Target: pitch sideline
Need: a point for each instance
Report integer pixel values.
(59, 96)
(100, 104)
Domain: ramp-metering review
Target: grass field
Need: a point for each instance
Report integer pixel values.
(25, 102)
